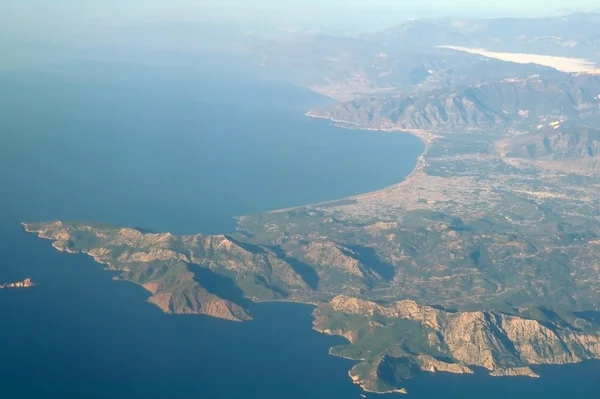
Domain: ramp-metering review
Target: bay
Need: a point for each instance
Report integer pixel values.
(181, 147)
(174, 149)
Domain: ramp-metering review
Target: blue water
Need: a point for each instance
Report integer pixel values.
(180, 148)
(78, 334)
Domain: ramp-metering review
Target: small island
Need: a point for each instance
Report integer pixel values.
(27, 283)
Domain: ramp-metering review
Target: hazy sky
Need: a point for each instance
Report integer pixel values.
(25, 16)
(509, 4)
(34, 30)
(142, 10)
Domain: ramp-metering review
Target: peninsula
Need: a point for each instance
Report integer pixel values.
(479, 258)
(486, 256)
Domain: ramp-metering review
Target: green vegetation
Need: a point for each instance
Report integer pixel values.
(488, 255)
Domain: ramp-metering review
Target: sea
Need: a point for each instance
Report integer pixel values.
(182, 146)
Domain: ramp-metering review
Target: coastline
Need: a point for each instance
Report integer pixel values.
(425, 138)
(313, 304)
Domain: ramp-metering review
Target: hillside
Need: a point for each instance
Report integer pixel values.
(391, 340)
(487, 255)
(575, 150)
(496, 105)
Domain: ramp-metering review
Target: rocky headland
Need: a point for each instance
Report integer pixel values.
(487, 256)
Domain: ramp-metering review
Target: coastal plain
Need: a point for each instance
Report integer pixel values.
(486, 257)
